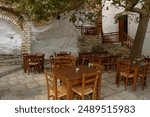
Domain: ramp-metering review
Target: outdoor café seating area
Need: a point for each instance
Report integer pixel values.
(69, 77)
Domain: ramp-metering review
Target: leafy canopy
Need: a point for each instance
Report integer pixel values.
(44, 9)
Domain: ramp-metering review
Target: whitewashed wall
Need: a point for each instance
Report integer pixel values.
(10, 38)
(61, 35)
(108, 13)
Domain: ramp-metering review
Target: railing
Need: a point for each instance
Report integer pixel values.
(112, 37)
(129, 41)
(90, 30)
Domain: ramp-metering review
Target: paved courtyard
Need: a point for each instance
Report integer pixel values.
(21, 86)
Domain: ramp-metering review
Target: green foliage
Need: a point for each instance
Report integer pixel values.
(45, 9)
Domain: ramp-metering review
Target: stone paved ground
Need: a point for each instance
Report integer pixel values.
(21, 86)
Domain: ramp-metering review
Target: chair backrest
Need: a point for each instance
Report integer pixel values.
(56, 62)
(143, 70)
(90, 80)
(62, 54)
(124, 66)
(67, 61)
(32, 59)
(51, 83)
(41, 56)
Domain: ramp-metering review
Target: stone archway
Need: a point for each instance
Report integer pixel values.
(24, 30)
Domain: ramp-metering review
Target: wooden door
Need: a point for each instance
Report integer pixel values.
(123, 28)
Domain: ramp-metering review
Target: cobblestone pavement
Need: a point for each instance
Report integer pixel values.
(21, 86)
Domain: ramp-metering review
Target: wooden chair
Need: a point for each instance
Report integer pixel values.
(111, 62)
(32, 63)
(54, 89)
(85, 59)
(40, 57)
(51, 58)
(126, 71)
(25, 62)
(88, 86)
(56, 61)
(142, 74)
(104, 62)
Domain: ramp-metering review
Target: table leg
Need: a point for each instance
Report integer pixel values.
(69, 90)
(135, 77)
(98, 96)
(117, 75)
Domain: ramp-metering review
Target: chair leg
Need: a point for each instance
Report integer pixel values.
(126, 83)
(145, 81)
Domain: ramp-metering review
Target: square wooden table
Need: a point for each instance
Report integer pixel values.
(70, 77)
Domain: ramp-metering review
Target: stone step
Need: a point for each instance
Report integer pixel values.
(10, 62)
(5, 70)
(10, 59)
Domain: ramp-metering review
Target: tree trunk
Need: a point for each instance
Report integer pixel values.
(139, 38)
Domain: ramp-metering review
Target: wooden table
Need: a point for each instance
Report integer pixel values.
(70, 77)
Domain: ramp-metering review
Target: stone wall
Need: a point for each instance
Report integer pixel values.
(17, 30)
(86, 43)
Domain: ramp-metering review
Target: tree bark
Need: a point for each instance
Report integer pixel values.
(136, 50)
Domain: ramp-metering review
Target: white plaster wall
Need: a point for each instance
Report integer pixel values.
(10, 38)
(61, 35)
(108, 20)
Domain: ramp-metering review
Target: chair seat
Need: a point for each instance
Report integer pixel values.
(140, 75)
(130, 75)
(78, 90)
(61, 92)
(34, 63)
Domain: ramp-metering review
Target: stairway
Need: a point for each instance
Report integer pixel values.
(10, 60)
(9, 64)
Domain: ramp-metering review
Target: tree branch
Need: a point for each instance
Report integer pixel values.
(136, 10)
(130, 6)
